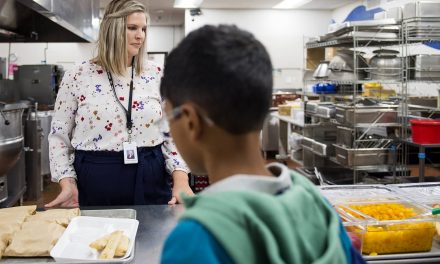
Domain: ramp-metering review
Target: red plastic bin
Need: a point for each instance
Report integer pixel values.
(425, 131)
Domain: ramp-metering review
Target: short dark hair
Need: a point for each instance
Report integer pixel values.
(225, 71)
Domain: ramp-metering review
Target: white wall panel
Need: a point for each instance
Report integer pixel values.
(281, 31)
(159, 39)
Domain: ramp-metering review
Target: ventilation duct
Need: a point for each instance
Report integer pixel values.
(49, 20)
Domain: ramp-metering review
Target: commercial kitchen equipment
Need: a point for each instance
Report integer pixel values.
(3, 68)
(385, 65)
(342, 66)
(45, 118)
(11, 142)
(270, 135)
(421, 9)
(424, 67)
(39, 83)
(322, 71)
(33, 141)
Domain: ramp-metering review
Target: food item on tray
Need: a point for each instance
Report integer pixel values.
(4, 241)
(398, 238)
(393, 237)
(284, 109)
(59, 216)
(19, 210)
(112, 245)
(386, 211)
(100, 243)
(122, 247)
(34, 239)
(11, 220)
(27, 233)
(109, 251)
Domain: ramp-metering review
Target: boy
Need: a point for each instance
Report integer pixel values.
(217, 87)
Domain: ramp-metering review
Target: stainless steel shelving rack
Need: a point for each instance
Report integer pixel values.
(356, 42)
(415, 31)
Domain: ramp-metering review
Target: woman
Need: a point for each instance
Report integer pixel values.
(94, 129)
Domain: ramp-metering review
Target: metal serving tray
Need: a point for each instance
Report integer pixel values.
(341, 28)
(366, 114)
(327, 111)
(422, 26)
(312, 107)
(113, 213)
(344, 136)
(362, 156)
(374, 35)
(427, 35)
(323, 149)
(424, 67)
(421, 9)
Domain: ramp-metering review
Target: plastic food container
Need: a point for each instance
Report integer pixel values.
(384, 228)
(73, 245)
(426, 193)
(425, 131)
(325, 88)
(342, 194)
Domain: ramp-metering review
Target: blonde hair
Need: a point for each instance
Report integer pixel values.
(112, 41)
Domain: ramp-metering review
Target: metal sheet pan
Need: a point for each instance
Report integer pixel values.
(113, 213)
(421, 9)
(363, 23)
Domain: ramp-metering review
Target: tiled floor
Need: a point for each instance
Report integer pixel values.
(51, 190)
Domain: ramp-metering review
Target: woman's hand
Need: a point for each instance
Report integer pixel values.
(68, 196)
(180, 184)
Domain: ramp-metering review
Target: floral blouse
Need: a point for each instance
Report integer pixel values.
(88, 117)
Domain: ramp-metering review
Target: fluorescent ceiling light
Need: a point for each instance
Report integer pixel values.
(187, 3)
(289, 4)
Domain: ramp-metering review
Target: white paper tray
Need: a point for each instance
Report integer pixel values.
(73, 245)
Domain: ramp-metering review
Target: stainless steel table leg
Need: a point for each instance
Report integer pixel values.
(394, 155)
(422, 156)
(282, 144)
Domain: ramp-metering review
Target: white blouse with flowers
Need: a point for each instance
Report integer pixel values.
(88, 117)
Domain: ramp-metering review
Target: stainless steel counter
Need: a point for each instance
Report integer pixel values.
(155, 223)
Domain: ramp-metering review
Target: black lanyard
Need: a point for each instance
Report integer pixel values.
(130, 97)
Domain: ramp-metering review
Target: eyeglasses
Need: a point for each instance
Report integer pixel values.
(176, 113)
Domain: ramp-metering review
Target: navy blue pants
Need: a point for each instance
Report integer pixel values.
(104, 179)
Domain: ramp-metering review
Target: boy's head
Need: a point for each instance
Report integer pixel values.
(221, 74)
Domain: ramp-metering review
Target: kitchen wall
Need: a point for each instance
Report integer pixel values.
(281, 31)
(340, 14)
(159, 39)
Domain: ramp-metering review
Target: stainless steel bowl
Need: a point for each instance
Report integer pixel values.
(385, 65)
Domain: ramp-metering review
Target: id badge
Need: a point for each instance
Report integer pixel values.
(130, 152)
